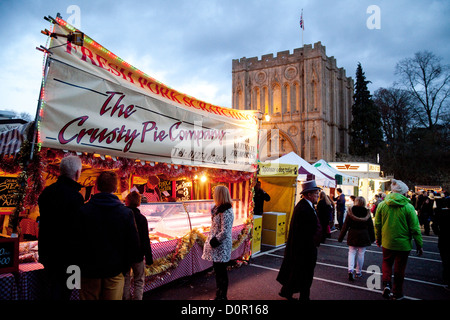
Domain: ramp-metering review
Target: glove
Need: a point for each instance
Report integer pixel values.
(214, 242)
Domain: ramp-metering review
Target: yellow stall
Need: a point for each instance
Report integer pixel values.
(280, 182)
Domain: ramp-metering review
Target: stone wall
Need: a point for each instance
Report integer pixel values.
(307, 96)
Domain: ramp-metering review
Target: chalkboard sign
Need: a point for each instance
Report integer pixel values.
(183, 190)
(8, 186)
(9, 255)
(165, 185)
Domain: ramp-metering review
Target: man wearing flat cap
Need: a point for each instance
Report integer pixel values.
(297, 270)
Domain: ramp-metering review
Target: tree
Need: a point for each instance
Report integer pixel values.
(396, 111)
(365, 128)
(429, 83)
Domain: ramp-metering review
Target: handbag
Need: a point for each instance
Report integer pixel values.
(214, 242)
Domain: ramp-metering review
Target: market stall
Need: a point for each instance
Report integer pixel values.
(349, 184)
(306, 172)
(115, 117)
(369, 175)
(280, 182)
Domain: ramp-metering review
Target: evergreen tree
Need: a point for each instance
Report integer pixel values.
(366, 138)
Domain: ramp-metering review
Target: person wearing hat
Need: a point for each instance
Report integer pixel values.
(396, 225)
(151, 190)
(300, 255)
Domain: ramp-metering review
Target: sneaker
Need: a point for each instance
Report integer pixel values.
(358, 275)
(387, 292)
(350, 276)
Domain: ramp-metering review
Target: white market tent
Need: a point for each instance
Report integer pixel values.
(341, 178)
(306, 171)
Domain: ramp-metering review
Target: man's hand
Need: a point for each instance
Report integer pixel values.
(419, 251)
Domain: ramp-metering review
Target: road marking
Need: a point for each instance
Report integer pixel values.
(345, 267)
(333, 282)
(331, 239)
(379, 252)
(268, 251)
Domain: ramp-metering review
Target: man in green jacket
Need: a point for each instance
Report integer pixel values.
(396, 224)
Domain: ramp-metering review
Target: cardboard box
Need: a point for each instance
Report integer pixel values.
(257, 231)
(273, 238)
(272, 219)
(274, 228)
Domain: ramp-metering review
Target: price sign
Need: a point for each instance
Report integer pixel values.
(183, 191)
(9, 255)
(8, 186)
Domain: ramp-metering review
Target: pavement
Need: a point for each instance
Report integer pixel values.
(256, 280)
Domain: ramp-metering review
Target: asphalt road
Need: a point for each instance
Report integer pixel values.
(256, 280)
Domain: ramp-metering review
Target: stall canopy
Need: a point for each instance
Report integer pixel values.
(279, 181)
(11, 140)
(306, 171)
(341, 178)
(95, 102)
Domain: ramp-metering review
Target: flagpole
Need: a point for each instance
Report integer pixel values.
(302, 25)
(302, 37)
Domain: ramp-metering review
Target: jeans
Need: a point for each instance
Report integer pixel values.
(102, 288)
(138, 281)
(358, 253)
(397, 259)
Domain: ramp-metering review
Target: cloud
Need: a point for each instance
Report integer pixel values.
(190, 45)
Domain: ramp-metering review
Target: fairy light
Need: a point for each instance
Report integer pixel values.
(42, 93)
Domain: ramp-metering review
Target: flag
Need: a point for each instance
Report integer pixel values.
(302, 25)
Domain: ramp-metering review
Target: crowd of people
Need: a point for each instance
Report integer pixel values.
(112, 245)
(109, 239)
(392, 221)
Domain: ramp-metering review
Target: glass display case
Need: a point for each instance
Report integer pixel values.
(171, 220)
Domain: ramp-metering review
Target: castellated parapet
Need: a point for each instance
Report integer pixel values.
(307, 96)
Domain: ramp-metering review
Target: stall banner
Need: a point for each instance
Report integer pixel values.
(96, 102)
(277, 169)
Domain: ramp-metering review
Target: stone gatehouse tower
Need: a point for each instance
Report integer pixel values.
(307, 96)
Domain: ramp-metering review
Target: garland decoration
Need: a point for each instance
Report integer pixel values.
(30, 183)
(163, 266)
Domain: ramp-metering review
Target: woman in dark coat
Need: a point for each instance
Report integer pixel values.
(426, 212)
(325, 214)
(361, 234)
(133, 201)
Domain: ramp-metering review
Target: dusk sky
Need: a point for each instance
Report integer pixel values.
(189, 45)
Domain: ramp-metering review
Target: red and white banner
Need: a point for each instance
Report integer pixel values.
(96, 102)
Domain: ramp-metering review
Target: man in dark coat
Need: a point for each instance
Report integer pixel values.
(109, 242)
(297, 270)
(340, 207)
(58, 208)
(259, 198)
